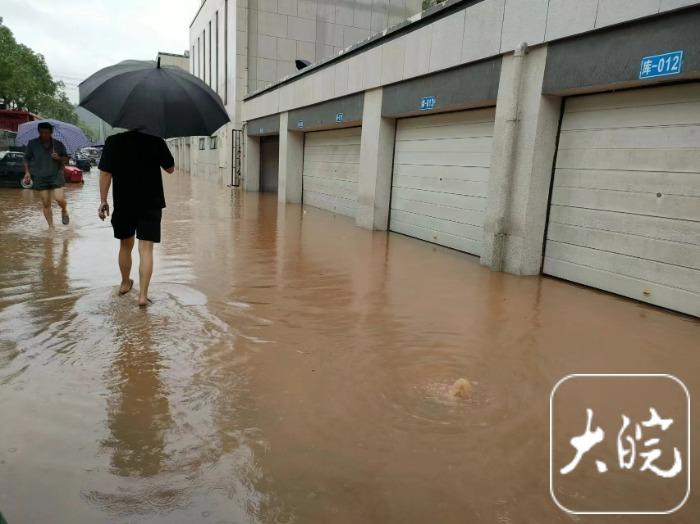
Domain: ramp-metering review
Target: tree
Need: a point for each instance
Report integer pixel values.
(26, 83)
(57, 106)
(24, 77)
(90, 132)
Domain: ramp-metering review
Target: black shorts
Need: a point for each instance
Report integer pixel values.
(42, 184)
(145, 223)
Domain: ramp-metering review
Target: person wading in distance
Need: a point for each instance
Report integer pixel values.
(44, 159)
(133, 160)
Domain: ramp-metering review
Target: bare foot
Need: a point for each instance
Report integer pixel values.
(144, 301)
(126, 287)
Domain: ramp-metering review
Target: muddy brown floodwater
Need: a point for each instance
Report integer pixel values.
(293, 368)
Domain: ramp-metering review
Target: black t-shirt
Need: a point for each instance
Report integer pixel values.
(134, 159)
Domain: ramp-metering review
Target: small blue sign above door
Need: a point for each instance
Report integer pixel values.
(300, 124)
(427, 103)
(667, 64)
(339, 117)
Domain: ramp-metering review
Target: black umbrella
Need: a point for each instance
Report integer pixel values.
(162, 101)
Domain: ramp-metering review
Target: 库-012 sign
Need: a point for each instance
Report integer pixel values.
(427, 103)
(661, 65)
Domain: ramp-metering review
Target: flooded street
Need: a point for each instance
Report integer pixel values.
(293, 368)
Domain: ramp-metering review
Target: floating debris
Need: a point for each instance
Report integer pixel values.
(462, 388)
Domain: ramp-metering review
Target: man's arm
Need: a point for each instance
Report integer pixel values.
(27, 157)
(61, 154)
(167, 162)
(106, 167)
(61, 158)
(105, 183)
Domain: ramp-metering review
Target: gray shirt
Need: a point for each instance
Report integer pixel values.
(41, 166)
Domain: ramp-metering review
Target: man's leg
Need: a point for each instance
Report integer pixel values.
(45, 195)
(145, 269)
(60, 197)
(125, 247)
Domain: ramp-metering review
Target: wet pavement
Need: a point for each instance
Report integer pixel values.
(293, 368)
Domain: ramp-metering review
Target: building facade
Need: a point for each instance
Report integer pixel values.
(542, 136)
(240, 46)
(179, 147)
(10, 119)
(174, 60)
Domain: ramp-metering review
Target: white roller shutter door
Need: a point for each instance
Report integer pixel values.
(625, 206)
(331, 167)
(440, 179)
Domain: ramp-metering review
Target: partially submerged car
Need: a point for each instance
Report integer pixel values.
(72, 174)
(93, 154)
(80, 161)
(12, 169)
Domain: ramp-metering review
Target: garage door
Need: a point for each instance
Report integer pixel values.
(331, 166)
(269, 163)
(440, 180)
(625, 208)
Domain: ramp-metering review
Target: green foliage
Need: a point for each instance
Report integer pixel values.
(25, 80)
(57, 106)
(89, 131)
(25, 83)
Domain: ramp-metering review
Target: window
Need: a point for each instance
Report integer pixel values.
(225, 51)
(192, 57)
(212, 142)
(201, 144)
(216, 79)
(209, 53)
(199, 57)
(204, 55)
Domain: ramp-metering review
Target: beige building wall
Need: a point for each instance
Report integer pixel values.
(281, 31)
(240, 46)
(482, 30)
(212, 53)
(179, 147)
(171, 59)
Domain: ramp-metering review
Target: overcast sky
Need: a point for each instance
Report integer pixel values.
(78, 37)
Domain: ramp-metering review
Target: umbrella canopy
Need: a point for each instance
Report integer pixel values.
(71, 136)
(162, 101)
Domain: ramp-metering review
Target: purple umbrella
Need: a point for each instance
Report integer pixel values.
(71, 136)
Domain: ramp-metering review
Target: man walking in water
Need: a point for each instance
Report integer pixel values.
(133, 160)
(44, 159)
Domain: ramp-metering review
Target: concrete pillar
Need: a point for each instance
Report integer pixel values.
(376, 161)
(291, 162)
(524, 144)
(251, 176)
(222, 148)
